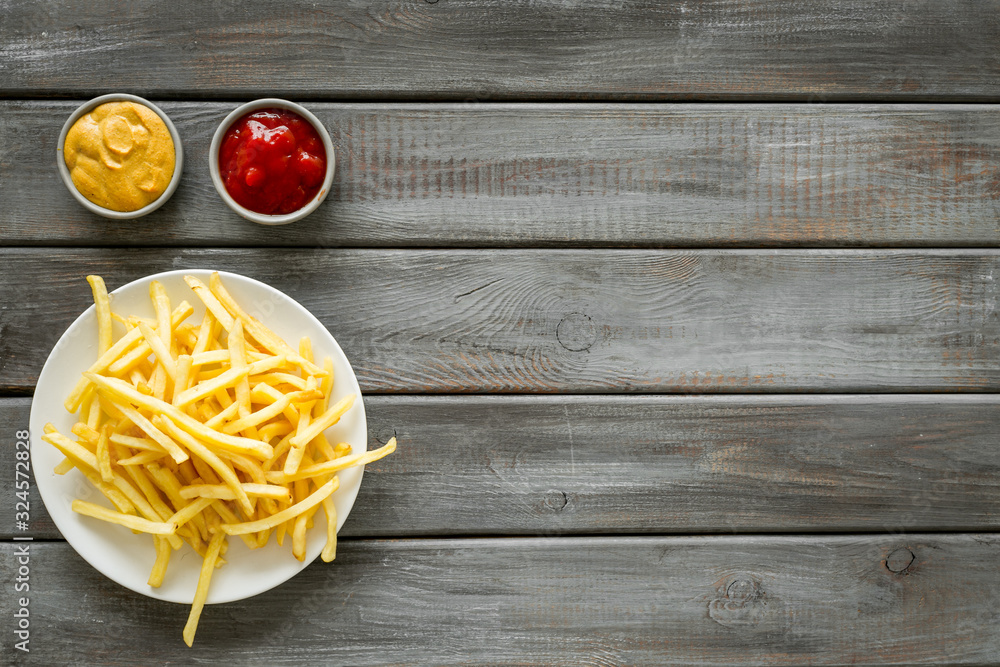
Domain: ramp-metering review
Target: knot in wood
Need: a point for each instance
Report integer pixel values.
(556, 500)
(742, 589)
(576, 332)
(385, 434)
(899, 561)
(741, 602)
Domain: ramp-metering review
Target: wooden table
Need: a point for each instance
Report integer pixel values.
(684, 314)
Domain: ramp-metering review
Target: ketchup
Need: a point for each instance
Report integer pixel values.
(272, 161)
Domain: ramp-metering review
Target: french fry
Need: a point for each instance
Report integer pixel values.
(102, 306)
(103, 454)
(118, 366)
(224, 380)
(185, 514)
(284, 515)
(272, 410)
(141, 459)
(336, 465)
(201, 593)
(324, 421)
(184, 364)
(136, 443)
(219, 312)
(330, 549)
(160, 438)
(160, 349)
(238, 361)
(161, 305)
(128, 520)
(223, 492)
(72, 403)
(163, 551)
(270, 340)
(222, 417)
(206, 455)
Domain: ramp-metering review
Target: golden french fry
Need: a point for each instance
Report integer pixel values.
(141, 459)
(146, 444)
(211, 303)
(273, 430)
(206, 334)
(324, 421)
(224, 380)
(213, 357)
(93, 412)
(238, 361)
(201, 593)
(336, 465)
(86, 432)
(167, 482)
(305, 348)
(330, 549)
(293, 460)
(163, 551)
(284, 515)
(164, 441)
(272, 410)
(299, 536)
(72, 403)
(222, 492)
(206, 455)
(102, 307)
(184, 363)
(103, 454)
(270, 340)
(221, 418)
(185, 514)
(128, 520)
(273, 379)
(118, 366)
(161, 305)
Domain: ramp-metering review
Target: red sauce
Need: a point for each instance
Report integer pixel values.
(272, 161)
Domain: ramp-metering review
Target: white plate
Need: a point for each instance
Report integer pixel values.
(126, 557)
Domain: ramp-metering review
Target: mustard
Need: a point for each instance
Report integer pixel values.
(120, 156)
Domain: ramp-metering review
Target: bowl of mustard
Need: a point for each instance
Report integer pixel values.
(120, 156)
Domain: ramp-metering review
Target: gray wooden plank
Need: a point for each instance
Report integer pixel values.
(884, 599)
(569, 175)
(541, 321)
(729, 49)
(544, 465)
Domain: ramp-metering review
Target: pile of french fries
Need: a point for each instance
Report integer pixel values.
(196, 432)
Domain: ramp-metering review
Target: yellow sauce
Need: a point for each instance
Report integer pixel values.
(120, 156)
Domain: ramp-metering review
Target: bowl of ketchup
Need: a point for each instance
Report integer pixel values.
(272, 161)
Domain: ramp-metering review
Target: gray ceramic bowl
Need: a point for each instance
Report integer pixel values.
(100, 210)
(261, 218)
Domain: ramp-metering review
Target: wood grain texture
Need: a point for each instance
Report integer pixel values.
(566, 175)
(457, 49)
(515, 465)
(431, 321)
(589, 601)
